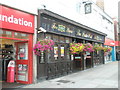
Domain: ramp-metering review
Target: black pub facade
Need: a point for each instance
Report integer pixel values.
(64, 31)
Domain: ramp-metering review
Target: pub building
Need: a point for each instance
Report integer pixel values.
(16, 36)
(64, 31)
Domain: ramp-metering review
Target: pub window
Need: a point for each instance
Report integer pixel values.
(55, 52)
(48, 36)
(55, 38)
(41, 36)
(68, 52)
(62, 39)
(49, 56)
(70, 40)
(67, 40)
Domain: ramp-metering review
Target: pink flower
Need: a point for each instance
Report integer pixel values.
(43, 45)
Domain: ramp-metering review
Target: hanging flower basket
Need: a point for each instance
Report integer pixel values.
(97, 47)
(43, 45)
(76, 48)
(88, 47)
(107, 49)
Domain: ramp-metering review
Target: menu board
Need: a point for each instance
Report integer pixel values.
(56, 52)
(62, 51)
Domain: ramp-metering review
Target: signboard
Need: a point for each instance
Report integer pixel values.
(16, 20)
(62, 29)
(67, 29)
(77, 57)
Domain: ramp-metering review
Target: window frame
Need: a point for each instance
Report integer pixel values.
(89, 6)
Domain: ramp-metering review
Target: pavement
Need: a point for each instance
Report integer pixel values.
(102, 76)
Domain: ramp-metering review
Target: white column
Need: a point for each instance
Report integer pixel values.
(34, 56)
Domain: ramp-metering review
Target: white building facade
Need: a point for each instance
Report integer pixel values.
(74, 10)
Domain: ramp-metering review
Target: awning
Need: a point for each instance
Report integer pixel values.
(117, 43)
(110, 42)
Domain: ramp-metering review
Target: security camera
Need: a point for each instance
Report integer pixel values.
(42, 29)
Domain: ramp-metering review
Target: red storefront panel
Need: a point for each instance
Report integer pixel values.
(20, 22)
(16, 20)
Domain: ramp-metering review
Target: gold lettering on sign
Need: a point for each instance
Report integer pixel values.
(69, 31)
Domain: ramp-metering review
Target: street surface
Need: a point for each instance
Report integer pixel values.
(102, 76)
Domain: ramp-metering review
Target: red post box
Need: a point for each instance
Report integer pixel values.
(11, 71)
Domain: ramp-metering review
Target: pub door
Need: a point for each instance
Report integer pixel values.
(78, 62)
(58, 62)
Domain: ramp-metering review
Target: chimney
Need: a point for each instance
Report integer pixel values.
(100, 3)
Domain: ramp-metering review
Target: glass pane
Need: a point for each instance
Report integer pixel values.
(56, 52)
(67, 40)
(49, 56)
(55, 38)
(40, 36)
(48, 36)
(1, 32)
(23, 51)
(5, 33)
(68, 52)
(62, 39)
(22, 72)
(20, 35)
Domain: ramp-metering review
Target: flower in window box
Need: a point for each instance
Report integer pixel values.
(43, 45)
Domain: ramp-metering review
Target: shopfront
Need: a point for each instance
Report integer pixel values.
(16, 36)
(111, 56)
(63, 32)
